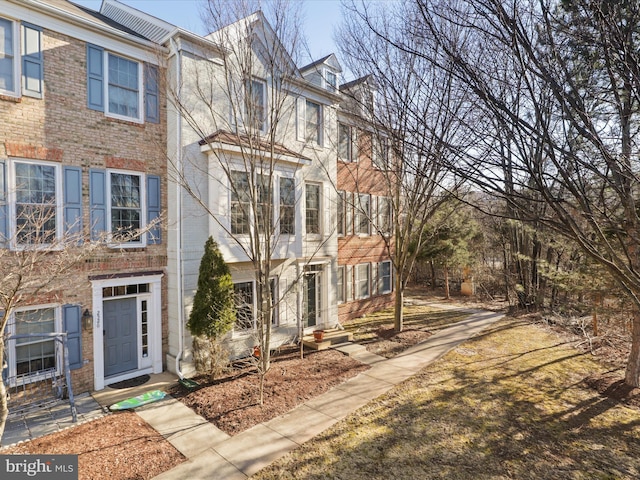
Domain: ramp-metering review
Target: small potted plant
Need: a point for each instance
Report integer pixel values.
(318, 335)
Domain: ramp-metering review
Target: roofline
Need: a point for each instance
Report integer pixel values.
(124, 6)
(83, 22)
(307, 85)
(357, 81)
(194, 38)
(173, 30)
(210, 144)
(320, 61)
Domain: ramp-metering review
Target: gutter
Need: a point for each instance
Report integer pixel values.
(175, 51)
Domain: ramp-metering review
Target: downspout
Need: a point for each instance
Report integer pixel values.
(178, 164)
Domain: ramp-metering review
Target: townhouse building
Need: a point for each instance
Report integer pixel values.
(147, 139)
(252, 149)
(83, 139)
(364, 207)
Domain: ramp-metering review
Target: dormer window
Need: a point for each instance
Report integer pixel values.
(331, 81)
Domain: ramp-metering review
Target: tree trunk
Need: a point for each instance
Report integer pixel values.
(632, 374)
(446, 283)
(398, 320)
(261, 399)
(506, 276)
(433, 275)
(598, 303)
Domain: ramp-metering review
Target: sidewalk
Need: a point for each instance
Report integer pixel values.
(212, 454)
(34, 424)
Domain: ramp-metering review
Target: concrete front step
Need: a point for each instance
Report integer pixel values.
(331, 337)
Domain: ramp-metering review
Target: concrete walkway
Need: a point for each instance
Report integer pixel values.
(212, 454)
(51, 419)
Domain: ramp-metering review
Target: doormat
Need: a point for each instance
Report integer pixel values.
(132, 382)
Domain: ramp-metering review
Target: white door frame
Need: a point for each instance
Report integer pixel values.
(154, 297)
(323, 305)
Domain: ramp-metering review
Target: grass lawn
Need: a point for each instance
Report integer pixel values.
(508, 404)
(376, 330)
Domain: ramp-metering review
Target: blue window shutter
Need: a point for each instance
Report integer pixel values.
(72, 324)
(95, 78)
(32, 65)
(154, 235)
(98, 202)
(73, 202)
(4, 208)
(151, 99)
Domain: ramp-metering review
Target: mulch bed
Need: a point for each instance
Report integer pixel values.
(231, 402)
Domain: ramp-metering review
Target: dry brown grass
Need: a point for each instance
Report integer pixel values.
(376, 331)
(510, 403)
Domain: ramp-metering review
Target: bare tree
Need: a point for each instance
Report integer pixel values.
(556, 87)
(37, 263)
(412, 113)
(241, 99)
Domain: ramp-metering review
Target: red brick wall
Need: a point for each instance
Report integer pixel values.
(358, 308)
(362, 177)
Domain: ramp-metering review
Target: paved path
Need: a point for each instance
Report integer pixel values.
(46, 420)
(212, 454)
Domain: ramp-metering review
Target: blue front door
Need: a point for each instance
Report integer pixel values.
(120, 336)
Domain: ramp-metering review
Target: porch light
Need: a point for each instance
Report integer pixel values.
(87, 319)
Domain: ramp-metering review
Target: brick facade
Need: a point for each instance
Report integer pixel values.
(60, 128)
(361, 176)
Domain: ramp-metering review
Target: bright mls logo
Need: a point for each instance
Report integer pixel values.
(50, 467)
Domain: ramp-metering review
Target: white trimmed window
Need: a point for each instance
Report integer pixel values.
(30, 356)
(35, 202)
(21, 62)
(126, 207)
(384, 277)
(124, 87)
(287, 206)
(312, 208)
(309, 122)
(240, 204)
(256, 104)
(9, 58)
(242, 216)
(330, 80)
(363, 281)
(341, 213)
(275, 306)
(264, 203)
(347, 143)
(381, 154)
(384, 215)
(245, 305)
(313, 122)
(341, 292)
(363, 214)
